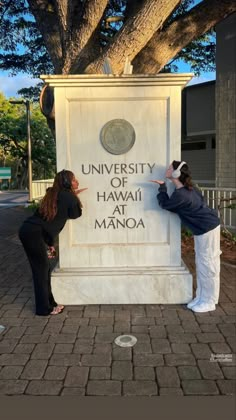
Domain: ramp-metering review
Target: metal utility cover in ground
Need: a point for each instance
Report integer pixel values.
(126, 340)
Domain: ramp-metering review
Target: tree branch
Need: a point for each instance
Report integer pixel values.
(89, 53)
(62, 11)
(69, 13)
(132, 7)
(82, 31)
(167, 44)
(47, 22)
(135, 34)
(61, 7)
(6, 6)
(17, 145)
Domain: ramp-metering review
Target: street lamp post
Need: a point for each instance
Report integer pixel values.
(27, 105)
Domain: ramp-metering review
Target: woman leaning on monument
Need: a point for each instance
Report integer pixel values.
(38, 233)
(189, 204)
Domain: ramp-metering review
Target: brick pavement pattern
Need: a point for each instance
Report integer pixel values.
(74, 353)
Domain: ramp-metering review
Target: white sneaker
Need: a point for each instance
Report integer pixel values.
(193, 302)
(204, 307)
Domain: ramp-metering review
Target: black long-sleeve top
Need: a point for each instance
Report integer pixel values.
(191, 208)
(68, 207)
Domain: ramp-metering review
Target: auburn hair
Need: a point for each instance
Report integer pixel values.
(185, 174)
(48, 205)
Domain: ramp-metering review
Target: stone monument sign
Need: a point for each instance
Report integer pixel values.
(116, 133)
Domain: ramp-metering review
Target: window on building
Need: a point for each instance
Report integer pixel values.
(198, 145)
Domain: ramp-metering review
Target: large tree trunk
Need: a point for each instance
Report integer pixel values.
(23, 179)
(66, 27)
(71, 32)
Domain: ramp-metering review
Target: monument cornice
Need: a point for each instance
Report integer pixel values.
(84, 80)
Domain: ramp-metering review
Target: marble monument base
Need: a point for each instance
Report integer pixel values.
(128, 285)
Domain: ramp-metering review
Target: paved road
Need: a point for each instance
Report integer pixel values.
(178, 352)
(13, 198)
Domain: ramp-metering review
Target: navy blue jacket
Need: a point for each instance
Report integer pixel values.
(191, 208)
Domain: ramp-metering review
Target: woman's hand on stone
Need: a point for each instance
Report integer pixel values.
(51, 252)
(52, 249)
(158, 181)
(80, 191)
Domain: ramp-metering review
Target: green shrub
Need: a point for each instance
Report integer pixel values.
(33, 206)
(186, 233)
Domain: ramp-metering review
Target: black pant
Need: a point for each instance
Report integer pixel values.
(31, 236)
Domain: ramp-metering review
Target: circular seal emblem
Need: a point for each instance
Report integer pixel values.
(117, 136)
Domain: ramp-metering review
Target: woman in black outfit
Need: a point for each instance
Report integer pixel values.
(39, 231)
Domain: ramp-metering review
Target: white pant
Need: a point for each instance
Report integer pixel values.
(207, 259)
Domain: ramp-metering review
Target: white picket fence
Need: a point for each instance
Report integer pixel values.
(39, 188)
(222, 197)
(213, 196)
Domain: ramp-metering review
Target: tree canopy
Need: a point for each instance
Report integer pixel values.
(75, 36)
(13, 143)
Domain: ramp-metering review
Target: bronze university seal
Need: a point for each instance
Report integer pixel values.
(117, 136)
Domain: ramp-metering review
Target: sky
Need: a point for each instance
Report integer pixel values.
(9, 85)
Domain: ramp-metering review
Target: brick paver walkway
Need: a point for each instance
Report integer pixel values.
(74, 353)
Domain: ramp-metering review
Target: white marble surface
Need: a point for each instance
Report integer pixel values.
(151, 236)
(131, 286)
